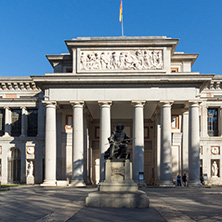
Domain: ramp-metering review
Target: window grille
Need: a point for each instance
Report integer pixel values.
(2, 122)
(212, 121)
(32, 122)
(16, 122)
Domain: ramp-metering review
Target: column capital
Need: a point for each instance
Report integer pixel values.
(166, 103)
(75, 104)
(105, 103)
(138, 103)
(48, 103)
(23, 107)
(193, 103)
(6, 107)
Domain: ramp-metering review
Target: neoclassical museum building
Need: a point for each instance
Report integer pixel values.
(54, 128)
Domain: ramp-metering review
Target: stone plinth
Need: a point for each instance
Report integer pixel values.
(214, 180)
(117, 199)
(118, 190)
(118, 177)
(30, 180)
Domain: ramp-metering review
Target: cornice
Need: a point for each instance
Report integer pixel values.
(17, 85)
(122, 42)
(184, 57)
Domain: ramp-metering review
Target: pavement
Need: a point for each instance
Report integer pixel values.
(34, 203)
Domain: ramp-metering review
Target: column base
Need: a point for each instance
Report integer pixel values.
(22, 136)
(195, 184)
(166, 184)
(77, 183)
(49, 183)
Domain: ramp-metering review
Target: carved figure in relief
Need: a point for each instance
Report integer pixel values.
(96, 64)
(114, 61)
(129, 61)
(104, 61)
(139, 60)
(121, 61)
(126, 60)
(214, 169)
(83, 61)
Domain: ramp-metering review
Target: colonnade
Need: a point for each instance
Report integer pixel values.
(8, 121)
(138, 141)
(24, 120)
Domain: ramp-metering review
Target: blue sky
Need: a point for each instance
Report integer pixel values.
(30, 29)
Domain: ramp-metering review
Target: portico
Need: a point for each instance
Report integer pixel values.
(141, 93)
(138, 119)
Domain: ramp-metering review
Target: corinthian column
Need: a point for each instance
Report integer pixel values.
(194, 144)
(105, 132)
(78, 144)
(165, 155)
(50, 144)
(138, 139)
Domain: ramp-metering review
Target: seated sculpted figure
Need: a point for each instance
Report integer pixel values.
(118, 144)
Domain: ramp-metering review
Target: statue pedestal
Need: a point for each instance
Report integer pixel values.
(118, 189)
(30, 180)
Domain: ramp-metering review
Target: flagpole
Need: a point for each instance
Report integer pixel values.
(121, 16)
(122, 27)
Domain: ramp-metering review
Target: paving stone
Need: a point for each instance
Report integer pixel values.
(28, 204)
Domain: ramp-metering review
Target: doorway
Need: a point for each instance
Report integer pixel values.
(14, 166)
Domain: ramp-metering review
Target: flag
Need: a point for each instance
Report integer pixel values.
(121, 12)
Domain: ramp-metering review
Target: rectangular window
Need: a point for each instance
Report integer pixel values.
(2, 122)
(212, 121)
(175, 122)
(174, 69)
(32, 129)
(146, 132)
(69, 121)
(16, 122)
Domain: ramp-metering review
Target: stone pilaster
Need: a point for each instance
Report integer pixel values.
(138, 139)
(204, 123)
(7, 121)
(165, 155)
(105, 133)
(50, 144)
(194, 144)
(158, 145)
(185, 145)
(24, 122)
(78, 144)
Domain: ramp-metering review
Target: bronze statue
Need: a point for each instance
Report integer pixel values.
(118, 141)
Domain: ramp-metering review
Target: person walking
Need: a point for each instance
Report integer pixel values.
(184, 180)
(178, 180)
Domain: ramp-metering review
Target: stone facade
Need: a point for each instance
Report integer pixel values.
(172, 114)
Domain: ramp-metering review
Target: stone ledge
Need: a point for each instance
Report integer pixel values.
(99, 199)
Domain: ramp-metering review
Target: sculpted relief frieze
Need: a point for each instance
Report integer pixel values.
(141, 59)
